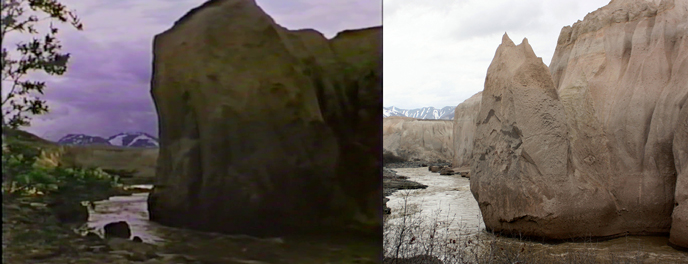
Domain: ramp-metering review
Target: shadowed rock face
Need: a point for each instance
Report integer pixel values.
(409, 138)
(600, 151)
(464, 125)
(263, 130)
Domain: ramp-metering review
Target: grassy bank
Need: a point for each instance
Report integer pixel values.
(42, 205)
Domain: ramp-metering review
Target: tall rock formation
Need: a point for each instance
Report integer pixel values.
(464, 125)
(622, 75)
(610, 140)
(410, 138)
(519, 174)
(263, 130)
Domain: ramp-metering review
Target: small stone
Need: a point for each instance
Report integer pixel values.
(38, 205)
(137, 239)
(137, 256)
(93, 236)
(44, 254)
(69, 212)
(117, 229)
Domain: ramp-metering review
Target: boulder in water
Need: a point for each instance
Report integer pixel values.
(118, 229)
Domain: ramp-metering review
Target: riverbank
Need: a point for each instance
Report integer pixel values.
(41, 229)
(391, 182)
(444, 219)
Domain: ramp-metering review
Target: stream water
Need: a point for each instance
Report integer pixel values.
(449, 197)
(222, 248)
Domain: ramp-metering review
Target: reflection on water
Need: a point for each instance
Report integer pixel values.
(221, 248)
(450, 197)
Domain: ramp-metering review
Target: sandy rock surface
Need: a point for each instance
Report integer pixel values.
(464, 126)
(598, 148)
(425, 140)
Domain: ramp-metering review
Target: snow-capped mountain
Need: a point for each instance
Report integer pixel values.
(133, 139)
(127, 139)
(446, 113)
(81, 139)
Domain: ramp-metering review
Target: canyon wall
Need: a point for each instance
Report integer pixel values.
(464, 125)
(410, 138)
(600, 141)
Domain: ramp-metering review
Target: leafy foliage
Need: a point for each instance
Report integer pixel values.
(21, 175)
(40, 54)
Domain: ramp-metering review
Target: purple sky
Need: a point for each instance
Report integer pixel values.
(106, 88)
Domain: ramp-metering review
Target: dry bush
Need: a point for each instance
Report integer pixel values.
(413, 239)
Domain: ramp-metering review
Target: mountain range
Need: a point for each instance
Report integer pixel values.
(446, 112)
(125, 139)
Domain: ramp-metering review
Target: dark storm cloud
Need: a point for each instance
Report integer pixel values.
(106, 89)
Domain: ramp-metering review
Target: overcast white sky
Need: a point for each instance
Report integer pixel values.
(436, 53)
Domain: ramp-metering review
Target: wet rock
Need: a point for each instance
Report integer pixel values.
(388, 173)
(137, 239)
(69, 211)
(117, 229)
(434, 168)
(386, 209)
(132, 250)
(93, 236)
(46, 253)
(446, 171)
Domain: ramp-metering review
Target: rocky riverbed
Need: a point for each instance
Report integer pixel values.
(41, 229)
(392, 182)
(36, 231)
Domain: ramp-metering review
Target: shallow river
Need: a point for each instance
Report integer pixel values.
(449, 197)
(220, 248)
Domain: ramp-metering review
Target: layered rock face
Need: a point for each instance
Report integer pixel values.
(622, 75)
(464, 125)
(263, 130)
(605, 147)
(410, 138)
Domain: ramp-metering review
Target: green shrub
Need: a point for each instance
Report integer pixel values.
(21, 175)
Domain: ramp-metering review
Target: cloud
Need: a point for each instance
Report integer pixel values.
(106, 89)
(436, 53)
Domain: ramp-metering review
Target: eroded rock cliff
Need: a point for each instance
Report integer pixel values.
(464, 125)
(410, 138)
(622, 75)
(519, 174)
(605, 137)
(263, 130)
